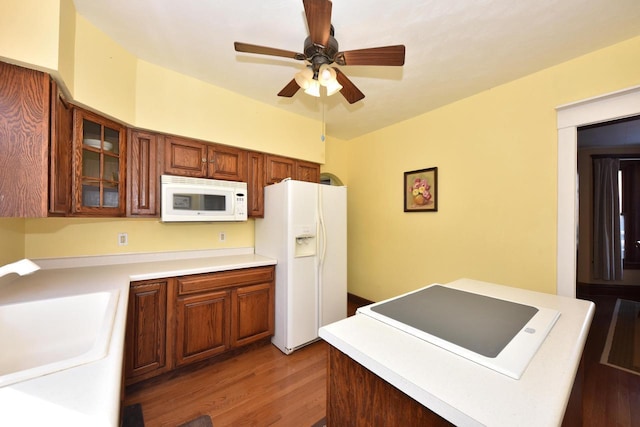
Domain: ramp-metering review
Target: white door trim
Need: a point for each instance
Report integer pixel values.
(616, 105)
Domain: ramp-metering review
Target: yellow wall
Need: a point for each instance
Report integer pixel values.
(337, 159)
(496, 154)
(66, 52)
(177, 104)
(12, 246)
(104, 73)
(67, 237)
(29, 32)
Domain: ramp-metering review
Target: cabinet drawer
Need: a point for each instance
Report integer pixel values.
(209, 281)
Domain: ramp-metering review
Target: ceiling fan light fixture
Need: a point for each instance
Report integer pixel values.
(304, 78)
(313, 89)
(326, 75)
(333, 87)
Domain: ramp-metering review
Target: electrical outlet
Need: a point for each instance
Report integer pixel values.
(222, 236)
(123, 239)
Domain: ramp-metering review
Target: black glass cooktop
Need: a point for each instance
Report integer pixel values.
(479, 323)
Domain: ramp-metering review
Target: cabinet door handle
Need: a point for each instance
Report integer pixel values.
(204, 160)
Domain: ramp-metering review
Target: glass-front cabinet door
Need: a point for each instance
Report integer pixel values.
(98, 165)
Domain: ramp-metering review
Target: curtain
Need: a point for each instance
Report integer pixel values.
(607, 248)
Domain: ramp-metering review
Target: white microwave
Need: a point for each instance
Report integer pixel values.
(196, 199)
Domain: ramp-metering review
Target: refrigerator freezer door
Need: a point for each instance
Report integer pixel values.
(302, 287)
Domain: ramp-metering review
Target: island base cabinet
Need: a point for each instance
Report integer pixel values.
(356, 397)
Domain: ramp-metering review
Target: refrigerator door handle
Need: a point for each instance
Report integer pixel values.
(322, 248)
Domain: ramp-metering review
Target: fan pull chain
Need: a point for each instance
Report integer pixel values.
(323, 125)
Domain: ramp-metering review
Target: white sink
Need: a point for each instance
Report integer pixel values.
(45, 336)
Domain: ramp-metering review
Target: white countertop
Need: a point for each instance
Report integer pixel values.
(464, 392)
(89, 395)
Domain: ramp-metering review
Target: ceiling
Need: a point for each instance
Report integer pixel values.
(454, 48)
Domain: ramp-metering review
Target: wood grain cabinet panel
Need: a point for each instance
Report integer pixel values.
(227, 163)
(143, 172)
(278, 168)
(253, 313)
(223, 279)
(255, 184)
(189, 157)
(24, 141)
(185, 157)
(61, 150)
(358, 397)
(203, 323)
(147, 334)
(307, 171)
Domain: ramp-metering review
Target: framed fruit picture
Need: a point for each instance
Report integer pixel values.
(421, 190)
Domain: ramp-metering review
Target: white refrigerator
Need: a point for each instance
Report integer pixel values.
(305, 229)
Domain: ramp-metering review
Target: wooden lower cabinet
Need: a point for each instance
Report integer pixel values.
(358, 397)
(202, 326)
(176, 321)
(253, 309)
(147, 332)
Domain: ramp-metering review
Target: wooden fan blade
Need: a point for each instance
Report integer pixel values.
(290, 89)
(386, 55)
(350, 92)
(262, 50)
(318, 13)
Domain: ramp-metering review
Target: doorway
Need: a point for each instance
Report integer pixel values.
(617, 105)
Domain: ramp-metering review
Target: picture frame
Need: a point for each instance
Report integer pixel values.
(421, 190)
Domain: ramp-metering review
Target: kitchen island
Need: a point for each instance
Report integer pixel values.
(90, 394)
(433, 386)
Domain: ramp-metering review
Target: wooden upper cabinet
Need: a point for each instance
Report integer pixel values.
(61, 153)
(185, 157)
(255, 184)
(24, 141)
(143, 174)
(98, 165)
(278, 168)
(227, 163)
(307, 171)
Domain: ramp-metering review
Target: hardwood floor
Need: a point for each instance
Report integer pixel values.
(263, 387)
(611, 397)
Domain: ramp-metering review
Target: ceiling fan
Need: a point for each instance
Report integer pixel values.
(321, 50)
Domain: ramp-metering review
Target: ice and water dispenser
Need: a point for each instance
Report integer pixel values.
(305, 244)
